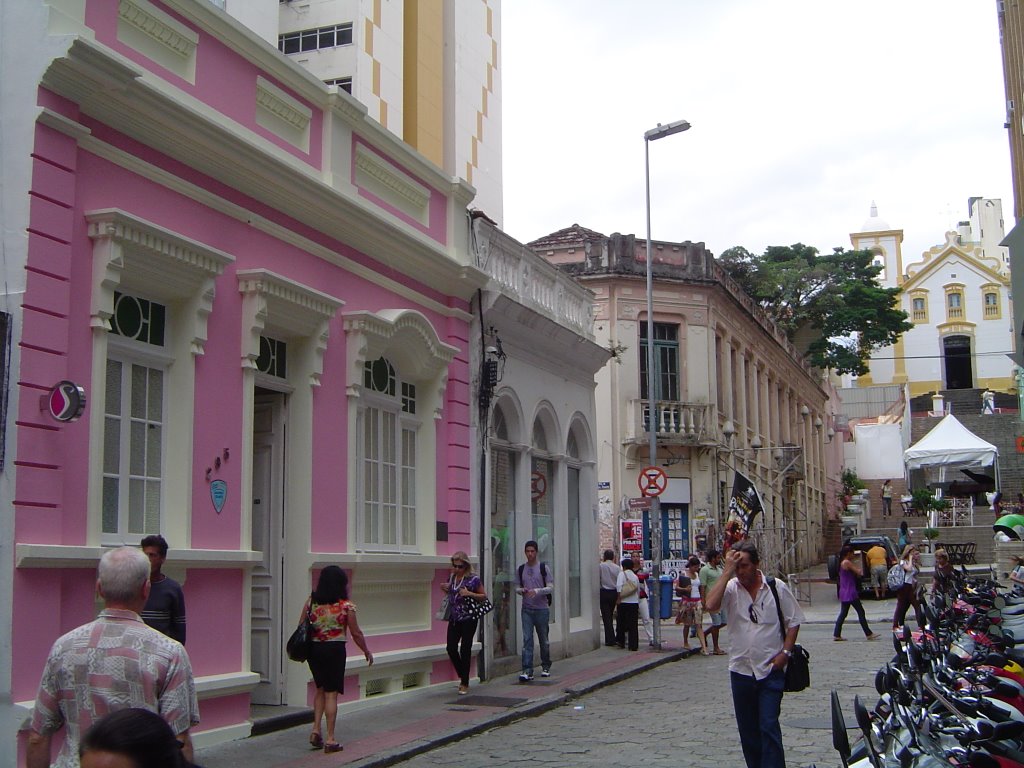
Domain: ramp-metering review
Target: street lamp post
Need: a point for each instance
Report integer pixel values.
(657, 529)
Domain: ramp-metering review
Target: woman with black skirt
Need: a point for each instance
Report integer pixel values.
(333, 618)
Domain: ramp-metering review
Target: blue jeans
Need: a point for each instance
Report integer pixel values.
(757, 704)
(535, 618)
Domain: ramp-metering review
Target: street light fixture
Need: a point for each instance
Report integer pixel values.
(660, 132)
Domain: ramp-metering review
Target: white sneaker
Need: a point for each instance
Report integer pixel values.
(545, 673)
(525, 677)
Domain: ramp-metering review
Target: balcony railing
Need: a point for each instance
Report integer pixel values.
(674, 422)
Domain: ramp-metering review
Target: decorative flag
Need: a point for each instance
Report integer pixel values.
(745, 502)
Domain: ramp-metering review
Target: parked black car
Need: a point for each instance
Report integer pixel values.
(863, 544)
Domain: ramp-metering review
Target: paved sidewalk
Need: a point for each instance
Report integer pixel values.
(406, 725)
(410, 724)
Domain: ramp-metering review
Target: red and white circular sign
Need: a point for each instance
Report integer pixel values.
(652, 481)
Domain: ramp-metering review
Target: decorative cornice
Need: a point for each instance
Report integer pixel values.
(176, 38)
(415, 196)
(280, 105)
(402, 334)
(270, 300)
(168, 265)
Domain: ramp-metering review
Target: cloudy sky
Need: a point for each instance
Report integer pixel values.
(803, 112)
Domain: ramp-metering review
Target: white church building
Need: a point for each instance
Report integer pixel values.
(957, 295)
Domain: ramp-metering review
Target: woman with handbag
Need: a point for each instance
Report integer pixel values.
(332, 618)
(908, 594)
(463, 589)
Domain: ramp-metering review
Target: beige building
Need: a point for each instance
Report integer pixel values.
(731, 394)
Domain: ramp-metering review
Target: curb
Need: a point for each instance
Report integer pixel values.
(532, 708)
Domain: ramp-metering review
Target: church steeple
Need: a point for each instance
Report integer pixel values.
(877, 236)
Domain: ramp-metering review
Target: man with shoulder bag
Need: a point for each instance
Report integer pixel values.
(764, 620)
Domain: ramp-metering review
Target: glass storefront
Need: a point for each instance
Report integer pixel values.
(503, 552)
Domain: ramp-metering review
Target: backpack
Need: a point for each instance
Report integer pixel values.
(897, 577)
(543, 576)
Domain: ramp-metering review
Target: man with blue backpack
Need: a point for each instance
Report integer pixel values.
(535, 585)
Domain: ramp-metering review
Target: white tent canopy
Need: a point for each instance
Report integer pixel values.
(950, 444)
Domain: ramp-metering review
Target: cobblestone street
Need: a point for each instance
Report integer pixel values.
(680, 715)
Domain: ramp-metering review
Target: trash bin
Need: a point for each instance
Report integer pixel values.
(665, 595)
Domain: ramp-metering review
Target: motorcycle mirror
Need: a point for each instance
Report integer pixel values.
(880, 682)
(890, 678)
(999, 602)
(914, 655)
(996, 632)
(1008, 639)
(993, 613)
(864, 722)
(840, 739)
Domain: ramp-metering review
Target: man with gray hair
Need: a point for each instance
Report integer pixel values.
(115, 662)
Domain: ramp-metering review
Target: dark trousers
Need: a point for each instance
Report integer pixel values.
(460, 646)
(906, 597)
(608, 597)
(757, 704)
(626, 628)
(838, 631)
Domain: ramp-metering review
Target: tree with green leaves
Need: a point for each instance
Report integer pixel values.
(831, 306)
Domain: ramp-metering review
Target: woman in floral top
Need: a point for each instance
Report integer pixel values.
(333, 619)
(462, 586)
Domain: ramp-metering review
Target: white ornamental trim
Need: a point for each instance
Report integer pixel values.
(282, 106)
(152, 22)
(381, 172)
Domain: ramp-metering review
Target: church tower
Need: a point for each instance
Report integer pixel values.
(886, 243)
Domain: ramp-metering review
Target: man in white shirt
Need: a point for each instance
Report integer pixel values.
(758, 653)
(610, 571)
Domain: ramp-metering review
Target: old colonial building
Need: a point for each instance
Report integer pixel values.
(730, 393)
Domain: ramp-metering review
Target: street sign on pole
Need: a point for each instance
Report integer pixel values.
(652, 481)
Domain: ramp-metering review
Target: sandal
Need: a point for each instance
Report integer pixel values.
(332, 746)
(839, 639)
(316, 740)
(720, 652)
(872, 636)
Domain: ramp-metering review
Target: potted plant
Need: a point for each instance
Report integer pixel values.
(851, 484)
(930, 535)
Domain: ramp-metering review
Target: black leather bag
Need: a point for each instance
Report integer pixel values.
(798, 669)
(299, 643)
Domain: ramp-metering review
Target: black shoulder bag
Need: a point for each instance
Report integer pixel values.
(299, 644)
(798, 670)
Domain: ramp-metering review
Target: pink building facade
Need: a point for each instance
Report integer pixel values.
(266, 299)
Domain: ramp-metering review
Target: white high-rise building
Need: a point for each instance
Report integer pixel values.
(427, 70)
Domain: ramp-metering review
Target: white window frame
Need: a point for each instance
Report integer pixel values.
(128, 353)
(409, 342)
(404, 508)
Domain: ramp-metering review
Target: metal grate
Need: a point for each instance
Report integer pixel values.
(375, 687)
(412, 680)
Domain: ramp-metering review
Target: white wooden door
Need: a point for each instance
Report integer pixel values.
(268, 538)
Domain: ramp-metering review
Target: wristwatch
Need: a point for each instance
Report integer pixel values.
(789, 654)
